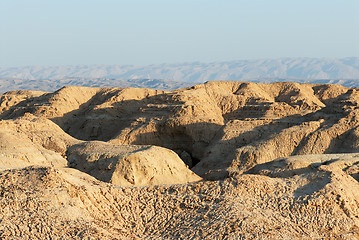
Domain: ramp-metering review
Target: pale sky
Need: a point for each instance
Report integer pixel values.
(142, 32)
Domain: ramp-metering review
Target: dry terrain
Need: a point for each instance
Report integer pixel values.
(220, 160)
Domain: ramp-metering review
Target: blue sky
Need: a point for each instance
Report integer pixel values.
(139, 32)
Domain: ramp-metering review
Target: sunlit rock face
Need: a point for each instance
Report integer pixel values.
(216, 160)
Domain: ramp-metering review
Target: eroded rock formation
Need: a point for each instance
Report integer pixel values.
(275, 160)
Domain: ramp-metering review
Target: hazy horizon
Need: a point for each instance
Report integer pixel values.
(141, 33)
(286, 68)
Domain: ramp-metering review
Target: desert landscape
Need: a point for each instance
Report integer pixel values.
(218, 160)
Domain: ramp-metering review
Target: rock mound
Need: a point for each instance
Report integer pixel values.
(129, 165)
(31, 141)
(18, 151)
(40, 131)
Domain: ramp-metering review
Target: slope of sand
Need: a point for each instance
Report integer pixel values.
(264, 161)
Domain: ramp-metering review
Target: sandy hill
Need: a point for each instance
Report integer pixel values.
(219, 160)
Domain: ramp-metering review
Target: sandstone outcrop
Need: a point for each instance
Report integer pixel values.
(17, 151)
(129, 165)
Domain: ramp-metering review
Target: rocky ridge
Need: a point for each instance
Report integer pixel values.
(217, 160)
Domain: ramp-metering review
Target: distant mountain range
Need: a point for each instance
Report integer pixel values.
(343, 71)
(49, 85)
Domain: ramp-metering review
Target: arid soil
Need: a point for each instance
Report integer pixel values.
(220, 160)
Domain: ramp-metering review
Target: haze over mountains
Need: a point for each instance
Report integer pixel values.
(344, 71)
(307, 68)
